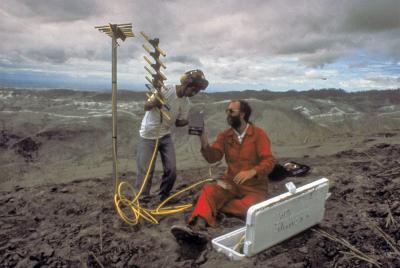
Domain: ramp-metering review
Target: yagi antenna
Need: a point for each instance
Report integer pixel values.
(156, 78)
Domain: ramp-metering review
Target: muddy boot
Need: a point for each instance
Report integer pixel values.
(198, 224)
(185, 234)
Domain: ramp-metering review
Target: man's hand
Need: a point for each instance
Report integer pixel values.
(244, 175)
(153, 101)
(181, 122)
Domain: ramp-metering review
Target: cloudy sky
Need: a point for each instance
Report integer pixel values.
(276, 45)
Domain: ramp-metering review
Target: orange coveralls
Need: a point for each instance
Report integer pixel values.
(253, 152)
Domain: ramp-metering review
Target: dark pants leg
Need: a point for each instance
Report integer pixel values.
(167, 151)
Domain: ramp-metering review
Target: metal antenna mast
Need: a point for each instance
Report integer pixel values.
(115, 31)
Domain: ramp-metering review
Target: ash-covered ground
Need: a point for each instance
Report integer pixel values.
(75, 224)
(56, 195)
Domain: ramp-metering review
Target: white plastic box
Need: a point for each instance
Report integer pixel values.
(275, 220)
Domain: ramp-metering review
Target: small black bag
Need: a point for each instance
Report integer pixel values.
(296, 169)
(288, 169)
(278, 173)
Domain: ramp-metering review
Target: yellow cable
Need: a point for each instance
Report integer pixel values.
(239, 244)
(134, 204)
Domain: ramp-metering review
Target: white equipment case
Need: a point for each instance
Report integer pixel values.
(275, 220)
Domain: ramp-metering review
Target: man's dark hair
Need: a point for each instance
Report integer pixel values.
(244, 108)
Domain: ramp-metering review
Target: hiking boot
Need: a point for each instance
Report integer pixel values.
(198, 224)
(221, 217)
(186, 234)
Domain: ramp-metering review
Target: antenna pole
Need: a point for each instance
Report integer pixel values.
(115, 31)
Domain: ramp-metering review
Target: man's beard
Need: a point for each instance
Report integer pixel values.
(234, 121)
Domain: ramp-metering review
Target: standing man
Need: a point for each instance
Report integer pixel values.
(153, 128)
(247, 151)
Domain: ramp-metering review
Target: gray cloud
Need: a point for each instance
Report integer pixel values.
(372, 16)
(54, 10)
(359, 64)
(185, 59)
(323, 56)
(383, 79)
(52, 56)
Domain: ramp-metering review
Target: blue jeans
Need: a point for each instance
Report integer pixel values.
(144, 152)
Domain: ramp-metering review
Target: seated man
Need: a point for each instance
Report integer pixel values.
(247, 152)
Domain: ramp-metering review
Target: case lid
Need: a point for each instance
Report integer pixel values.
(283, 216)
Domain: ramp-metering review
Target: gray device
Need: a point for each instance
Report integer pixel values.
(196, 123)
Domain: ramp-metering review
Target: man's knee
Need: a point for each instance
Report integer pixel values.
(209, 188)
(214, 191)
(248, 202)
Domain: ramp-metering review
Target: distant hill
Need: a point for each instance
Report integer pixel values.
(126, 95)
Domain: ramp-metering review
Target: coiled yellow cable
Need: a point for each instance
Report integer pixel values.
(133, 204)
